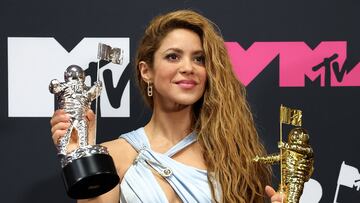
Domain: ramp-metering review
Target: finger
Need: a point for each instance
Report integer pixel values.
(59, 116)
(90, 115)
(59, 131)
(57, 135)
(60, 126)
(91, 118)
(269, 191)
(278, 197)
(59, 111)
(275, 196)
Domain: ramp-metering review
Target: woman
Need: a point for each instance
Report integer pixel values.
(199, 143)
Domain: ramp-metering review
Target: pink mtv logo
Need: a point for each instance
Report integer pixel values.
(297, 61)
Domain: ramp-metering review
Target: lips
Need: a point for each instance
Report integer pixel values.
(186, 84)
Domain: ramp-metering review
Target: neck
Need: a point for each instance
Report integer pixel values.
(170, 125)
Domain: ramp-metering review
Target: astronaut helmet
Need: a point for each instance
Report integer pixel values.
(298, 136)
(74, 72)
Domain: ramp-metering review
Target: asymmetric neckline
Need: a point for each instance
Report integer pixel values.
(183, 143)
(187, 140)
(139, 184)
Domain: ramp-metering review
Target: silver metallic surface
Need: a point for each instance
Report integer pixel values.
(83, 152)
(153, 165)
(166, 173)
(107, 53)
(74, 97)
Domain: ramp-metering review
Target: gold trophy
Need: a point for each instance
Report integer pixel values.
(296, 157)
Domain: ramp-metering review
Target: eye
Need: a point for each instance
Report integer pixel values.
(200, 59)
(172, 57)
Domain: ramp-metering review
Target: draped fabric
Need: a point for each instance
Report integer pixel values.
(140, 185)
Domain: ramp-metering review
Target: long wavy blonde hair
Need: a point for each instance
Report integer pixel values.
(224, 122)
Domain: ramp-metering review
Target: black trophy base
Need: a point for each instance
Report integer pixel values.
(90, 176)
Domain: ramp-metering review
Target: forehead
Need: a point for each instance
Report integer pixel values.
(183, 39)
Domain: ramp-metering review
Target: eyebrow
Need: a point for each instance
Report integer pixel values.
(180, 51)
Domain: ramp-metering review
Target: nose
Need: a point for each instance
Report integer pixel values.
(187, 67)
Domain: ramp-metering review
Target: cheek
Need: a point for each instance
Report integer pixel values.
(203, 76)
(203, 79)
(163, 79)
(164, 76)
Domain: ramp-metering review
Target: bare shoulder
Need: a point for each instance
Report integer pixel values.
(118, 146)
(122, 153)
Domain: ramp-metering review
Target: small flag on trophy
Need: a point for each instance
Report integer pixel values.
(290, 116)
(110, 54)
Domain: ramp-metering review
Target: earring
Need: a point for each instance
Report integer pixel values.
(149, 89)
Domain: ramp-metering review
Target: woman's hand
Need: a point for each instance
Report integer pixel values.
(275, 197)
(60, 122)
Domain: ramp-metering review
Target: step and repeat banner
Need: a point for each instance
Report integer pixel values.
(303, 54)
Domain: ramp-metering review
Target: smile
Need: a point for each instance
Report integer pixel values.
(186, 84)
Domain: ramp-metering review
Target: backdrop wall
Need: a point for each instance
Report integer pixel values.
(304, 54)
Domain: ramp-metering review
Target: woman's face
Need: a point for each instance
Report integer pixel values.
(178, 74)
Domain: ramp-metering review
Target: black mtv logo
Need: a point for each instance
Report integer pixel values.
(330, 64)
(114, 93)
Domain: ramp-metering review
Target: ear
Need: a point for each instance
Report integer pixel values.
(145, 71)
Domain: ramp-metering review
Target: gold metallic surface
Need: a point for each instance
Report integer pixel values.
(296, 156)
(290, 116)
(297, 163)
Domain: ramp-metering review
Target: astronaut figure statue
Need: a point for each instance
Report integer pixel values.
(75, 98)
(89, 170)
(297, 163)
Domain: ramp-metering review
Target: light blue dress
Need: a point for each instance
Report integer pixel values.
(140, 185)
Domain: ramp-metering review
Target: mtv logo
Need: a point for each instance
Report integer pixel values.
(297, 61)
(312, 192)
(349, 176)
(34, 61)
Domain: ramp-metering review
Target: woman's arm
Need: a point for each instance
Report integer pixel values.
(123, 155)
(121, 152)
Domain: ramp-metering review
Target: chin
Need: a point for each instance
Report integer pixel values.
(186, 101)
(178, 99)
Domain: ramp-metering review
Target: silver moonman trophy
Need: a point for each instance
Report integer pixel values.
(89, 170)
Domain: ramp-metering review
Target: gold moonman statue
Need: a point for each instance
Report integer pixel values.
(296, 160)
